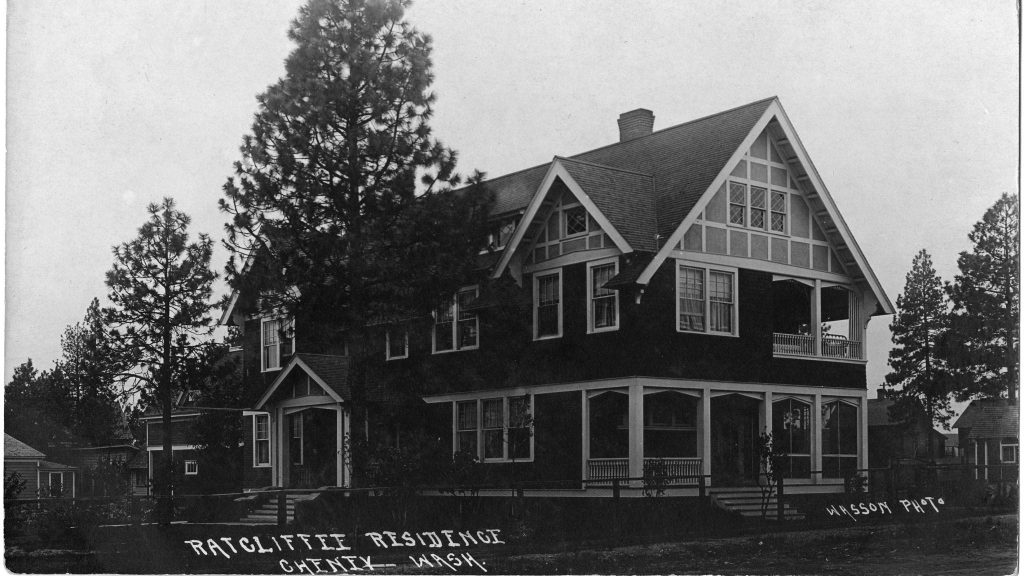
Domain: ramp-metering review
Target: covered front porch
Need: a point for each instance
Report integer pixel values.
(307, 419)
(690, 432)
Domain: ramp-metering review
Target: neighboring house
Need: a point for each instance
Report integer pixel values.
(42, 478)
(988, 430)
(889, 439)
(138, 473)
(88, 459)
(682, 291)
(953, 454)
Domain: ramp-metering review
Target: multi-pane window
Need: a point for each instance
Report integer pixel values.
(758, 205)
(191, 467)
(261, 440)
(778, 211)
(791, 431)
(494, 428)
(547, 305)
(737, 203)
(466, 428)
(838, 439)
(397, 343)
(456, 325)
(604, 302)
(277, 337)
(1008, 453)
(707, 300)
(575, 220)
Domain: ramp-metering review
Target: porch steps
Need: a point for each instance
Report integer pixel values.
(267, 512)
(746, 501)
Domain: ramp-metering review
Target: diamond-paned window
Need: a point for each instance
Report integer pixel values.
(778, 211)
(757, 206)
(737, 203)
(575, 221)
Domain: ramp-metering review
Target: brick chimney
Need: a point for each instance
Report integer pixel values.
(635, 123)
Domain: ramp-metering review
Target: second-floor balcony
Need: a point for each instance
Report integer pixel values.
(816, 320)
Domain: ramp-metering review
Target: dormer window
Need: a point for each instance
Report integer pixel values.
(499, 236)
(277, 337)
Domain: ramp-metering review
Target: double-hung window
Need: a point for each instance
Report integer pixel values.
(603, 310)
(397, 343)
(547, 305)
(261, 440)
(456, 325)
(277, 337)
(1008, 452)
(494, 429)
(191, 467)
(706, 300)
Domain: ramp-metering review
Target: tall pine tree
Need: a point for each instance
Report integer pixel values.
(343, 195)
(984, 347)
(919, 381)
(160, 287)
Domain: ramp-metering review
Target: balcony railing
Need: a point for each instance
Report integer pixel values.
(831, 346)
(611, 468)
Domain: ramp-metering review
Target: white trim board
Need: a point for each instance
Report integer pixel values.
(296, 361)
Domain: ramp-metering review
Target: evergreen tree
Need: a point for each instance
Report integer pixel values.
(160, 287)
(37, 408)
(326, 194)
(984, 346)
(919, 381)
(89, 368)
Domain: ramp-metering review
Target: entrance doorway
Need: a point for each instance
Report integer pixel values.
(734, 427)
(312, 452)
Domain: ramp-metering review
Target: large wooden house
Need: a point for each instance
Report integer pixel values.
(679, 292)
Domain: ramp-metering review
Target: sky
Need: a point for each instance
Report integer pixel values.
(909, 111)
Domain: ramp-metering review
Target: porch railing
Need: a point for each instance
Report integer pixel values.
(803, 345)
(618, 468)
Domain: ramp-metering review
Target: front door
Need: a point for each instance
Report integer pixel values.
(312, 448)
(734, 422)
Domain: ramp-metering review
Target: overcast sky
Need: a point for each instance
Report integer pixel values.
(909, 111)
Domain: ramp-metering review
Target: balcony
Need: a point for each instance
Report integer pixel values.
(802, 345)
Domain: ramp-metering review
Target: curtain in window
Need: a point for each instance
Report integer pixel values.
(493, 426)
(721, 302)
(691, 299)
(603, 298)
(465, 427)
(547, 305)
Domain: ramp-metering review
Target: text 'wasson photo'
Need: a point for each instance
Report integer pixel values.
(512, 288)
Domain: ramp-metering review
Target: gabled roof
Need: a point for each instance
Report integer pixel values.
(330, 372)
(608, 187)
(14, 448)
(990, 418)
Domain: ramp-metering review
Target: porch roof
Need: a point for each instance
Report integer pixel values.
(329, 371)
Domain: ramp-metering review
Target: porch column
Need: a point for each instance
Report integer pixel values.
(705, 432)
(767, 412)
(862, 457)
(986, 459)
(636, 430)
(584, 435)
(277, 446)
(816, 317)
(816, 440)
(976, 461)
(340, 458)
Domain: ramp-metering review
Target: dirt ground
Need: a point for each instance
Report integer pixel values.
(974, 546)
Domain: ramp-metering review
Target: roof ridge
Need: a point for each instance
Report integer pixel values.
(666, 129)
(605, 166)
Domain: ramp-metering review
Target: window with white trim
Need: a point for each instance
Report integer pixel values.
(261, 440)
(277, 338)
(397, 343)
(791, 431)
(706, 300)
(603, 310)
(296, 447)
(838, 439)
(191, 467)
(547, 305)
(456, 325)
(495, 429)
(1008, 452)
